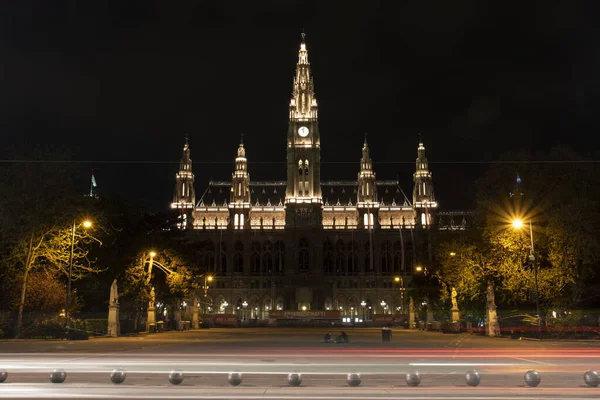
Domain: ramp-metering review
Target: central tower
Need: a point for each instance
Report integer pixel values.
(303, 198)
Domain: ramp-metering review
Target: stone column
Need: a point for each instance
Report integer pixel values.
(195, 324)
(493, 327)
(114, 327)
(151, 316)
(429, 312)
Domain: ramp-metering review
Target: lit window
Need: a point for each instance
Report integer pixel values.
(366, 220)
(241, 221)
(371, 219)
(236, 221)
(423, 219)
(424, 191)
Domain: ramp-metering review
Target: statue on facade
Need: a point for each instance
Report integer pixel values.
(454, 303)
(152, 298)
(490, 294)
(114, 294)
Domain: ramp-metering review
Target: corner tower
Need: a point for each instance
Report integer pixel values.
(184, 197)
(303, 193)
(423, 194)
(366, 200)
(239, 202)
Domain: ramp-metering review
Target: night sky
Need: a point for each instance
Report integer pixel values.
(122, 83)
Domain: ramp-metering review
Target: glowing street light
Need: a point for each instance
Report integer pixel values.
(517, 223)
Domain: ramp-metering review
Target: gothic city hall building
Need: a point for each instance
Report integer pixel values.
(304, 246)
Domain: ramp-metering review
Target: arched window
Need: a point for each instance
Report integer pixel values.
(209, 262)
(369, 267)
(339, 264)
(236, 221)
(366, 220)
(303, 255)
(241, 221)
(267, 264)
(279, 258)
(238, 263)
(223, 263)
(352, 264)
(255, 263)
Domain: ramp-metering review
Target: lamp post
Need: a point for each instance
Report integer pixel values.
(244, 305)
(383, 304)
(402, 290)
(363, 304)
(518, 224)
(207, 278)
(86, 224)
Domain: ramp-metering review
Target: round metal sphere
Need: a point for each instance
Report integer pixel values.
(353, 379)
(234, 378)
(3, 375)
(413, 378)
(472, 378)
(294, 379)
(118, 376)
(176, 377)
(58, 376)
(532, 378)
(591, 378)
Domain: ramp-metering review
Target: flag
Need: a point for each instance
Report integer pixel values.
(94, 184)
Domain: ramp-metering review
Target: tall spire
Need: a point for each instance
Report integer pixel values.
(366, 177)
(423, 194)
(303, 104)
(184, 196)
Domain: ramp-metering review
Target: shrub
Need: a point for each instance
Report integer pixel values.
(45, 329)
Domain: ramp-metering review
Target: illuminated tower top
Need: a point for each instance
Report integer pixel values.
(303, 104)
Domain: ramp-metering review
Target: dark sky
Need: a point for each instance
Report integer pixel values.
(126, 81)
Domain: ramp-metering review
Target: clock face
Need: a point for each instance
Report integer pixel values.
(303, 131)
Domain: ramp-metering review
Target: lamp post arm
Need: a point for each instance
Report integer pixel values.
(531, 236)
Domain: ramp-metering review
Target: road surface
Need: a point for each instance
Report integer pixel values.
(265, 356)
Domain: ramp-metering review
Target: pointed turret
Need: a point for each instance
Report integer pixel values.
(423, 194)
(366, 177)
(239, 204)
(303, 104)
(184, 196)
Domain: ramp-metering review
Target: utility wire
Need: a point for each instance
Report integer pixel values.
(24, 161)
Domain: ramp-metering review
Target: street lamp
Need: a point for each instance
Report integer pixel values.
(518, 224)
(402, 290)
(244, 305)
(383, 305)
(363, 304)
(86, 224)
(207, 278)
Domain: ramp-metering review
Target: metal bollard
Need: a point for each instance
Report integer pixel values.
(58, 376)
(590, 378)
(294, 379)
(472, 378)
(413, 378)
(176, 377)
(353, 379)
(234, 378)
(532, 378)
(3, 375)
(118, 376)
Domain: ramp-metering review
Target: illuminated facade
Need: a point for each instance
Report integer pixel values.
(304, 243)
